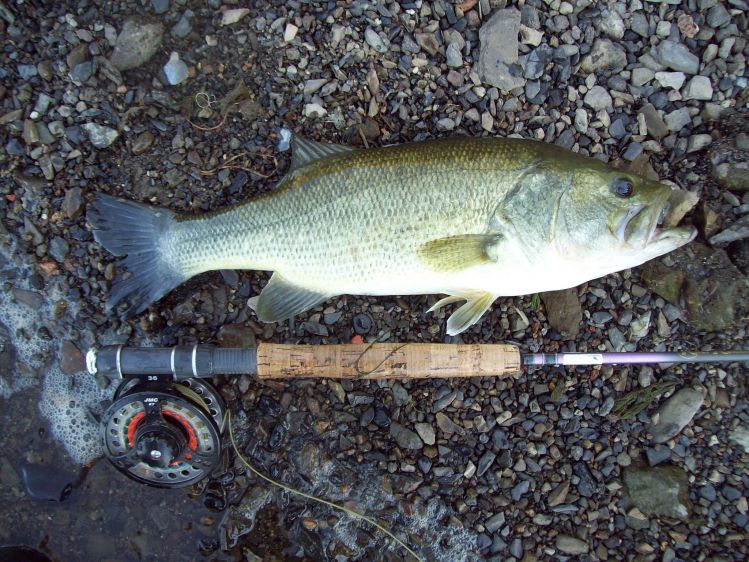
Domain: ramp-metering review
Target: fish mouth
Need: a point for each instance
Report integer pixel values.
(641, 226)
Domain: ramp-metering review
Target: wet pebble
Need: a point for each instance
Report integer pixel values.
(99, 135)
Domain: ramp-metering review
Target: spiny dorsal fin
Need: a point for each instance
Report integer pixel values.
(304, 151)
(455, 253)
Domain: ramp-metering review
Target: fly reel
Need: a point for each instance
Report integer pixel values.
(162, 433)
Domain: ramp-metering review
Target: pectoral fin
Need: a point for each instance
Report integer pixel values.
(470, 313)
(455, 253)
(280, 300)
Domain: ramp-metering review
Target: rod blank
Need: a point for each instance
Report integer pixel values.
(632, 358)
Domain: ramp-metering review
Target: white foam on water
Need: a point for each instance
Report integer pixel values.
(19, 319)
(445, 541)
(69, 403)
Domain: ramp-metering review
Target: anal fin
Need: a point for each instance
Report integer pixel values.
(280, 300)
(467, 315)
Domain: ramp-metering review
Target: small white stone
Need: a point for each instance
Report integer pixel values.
(426, 432)
(487, 121)
(530, 36)
(673, 80)
(698, 142)
(338, 32)
(612, 25)
(175, 70)
(698, 88)
(741, 506)
(581, 120)
(290, 32)
(284, 142)
(233, 16)
(641, 76)
(100, 136)
(663, 29)
(677, 119)
(740, 436)
(597, 98)
(314, 110)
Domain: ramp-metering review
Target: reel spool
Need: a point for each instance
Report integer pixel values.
(165, 434)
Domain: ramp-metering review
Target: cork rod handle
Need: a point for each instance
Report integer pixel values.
(387, 360)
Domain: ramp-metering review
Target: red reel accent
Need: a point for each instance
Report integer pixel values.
(192, 439)
(132, 426)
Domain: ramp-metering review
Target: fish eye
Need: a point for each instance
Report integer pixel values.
(623, 187)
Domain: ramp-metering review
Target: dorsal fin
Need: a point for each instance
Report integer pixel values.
(304, 151)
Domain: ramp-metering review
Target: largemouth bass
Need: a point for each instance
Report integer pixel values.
(470, 218)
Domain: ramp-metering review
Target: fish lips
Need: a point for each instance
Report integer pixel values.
(639, 228)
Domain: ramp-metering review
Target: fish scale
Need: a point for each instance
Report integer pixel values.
(472, 218)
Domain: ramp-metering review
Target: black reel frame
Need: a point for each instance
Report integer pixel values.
(164, 433)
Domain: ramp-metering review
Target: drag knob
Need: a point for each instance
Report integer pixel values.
(159, 445)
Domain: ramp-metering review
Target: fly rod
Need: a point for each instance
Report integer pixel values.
(366, 361)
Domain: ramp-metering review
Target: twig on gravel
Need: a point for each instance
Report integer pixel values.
(229, 166)
(205, 100)
(215, 128)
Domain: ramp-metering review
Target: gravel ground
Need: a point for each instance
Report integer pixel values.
(180, 103)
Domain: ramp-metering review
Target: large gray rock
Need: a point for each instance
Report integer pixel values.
(715, 290)
(136, 43)
(571, 545)
(675, 414)
(605, 55)
(732, 175)
(498, 56)
(678, 57)
(661, 490)
(405, 438)
(718, 16)
(705, 280)
(654, 122)
(563, 311)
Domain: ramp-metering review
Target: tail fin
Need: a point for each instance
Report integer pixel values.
(130, 229)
